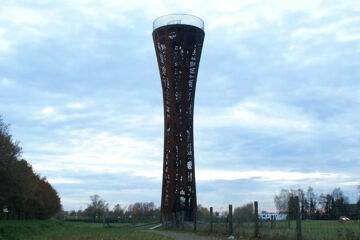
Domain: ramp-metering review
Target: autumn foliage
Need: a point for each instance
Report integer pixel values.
(23, 194)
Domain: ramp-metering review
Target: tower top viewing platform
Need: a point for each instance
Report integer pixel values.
(173, 19)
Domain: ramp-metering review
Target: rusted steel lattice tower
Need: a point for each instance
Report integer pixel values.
(178, 40)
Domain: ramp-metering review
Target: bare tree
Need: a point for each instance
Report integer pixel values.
(311, 199)
(245, 212)
(140, 209)
(118, 211)
(282, 200)
(202, 212)
(97, 208)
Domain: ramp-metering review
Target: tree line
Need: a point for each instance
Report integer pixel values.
(23, 193)
(312, 206)
(98, 208)
(327, 206)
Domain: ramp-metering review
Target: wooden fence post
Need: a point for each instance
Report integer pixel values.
(274, 222)
(230, 220)
(290, 209)
(298, 219)
(211, 219)
(256, 233)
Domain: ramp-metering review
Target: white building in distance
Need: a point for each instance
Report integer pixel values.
(276, 216)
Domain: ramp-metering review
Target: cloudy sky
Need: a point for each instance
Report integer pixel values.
(277, 102)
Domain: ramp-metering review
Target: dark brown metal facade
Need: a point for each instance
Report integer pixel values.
(178, 50)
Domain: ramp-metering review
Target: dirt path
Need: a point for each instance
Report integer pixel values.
(184, 236)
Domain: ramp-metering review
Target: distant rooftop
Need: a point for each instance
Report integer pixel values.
(172, 19)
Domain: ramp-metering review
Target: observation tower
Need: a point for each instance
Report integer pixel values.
(178, 41)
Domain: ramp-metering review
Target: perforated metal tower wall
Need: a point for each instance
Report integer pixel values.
(178, 50)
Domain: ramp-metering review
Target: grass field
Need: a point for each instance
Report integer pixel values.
(311, 230)
(55, 230)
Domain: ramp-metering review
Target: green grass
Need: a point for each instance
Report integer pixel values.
(55, 230)
(331, 230)
(311, 230)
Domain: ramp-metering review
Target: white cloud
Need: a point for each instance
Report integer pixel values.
(21, 16)
(46, 168)
(50, 114)
(258, 115)
(23, 24)
(6, 82)
(62, 19)
(5, 44)
(69, 203)
(33, 24)
(76, 105)
(47, 111)
(318, 43)
(350, 183)
(269, 116)
(98, 153)
(153, 170)
(146, 168)
(207, 175)
(64, 181)
(243, 51)
(348, 37)
(339, 30)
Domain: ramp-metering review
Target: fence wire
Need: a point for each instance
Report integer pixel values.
(277, 227)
